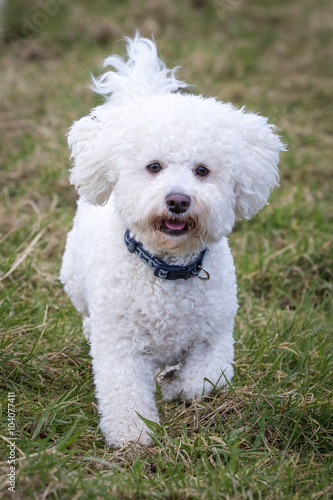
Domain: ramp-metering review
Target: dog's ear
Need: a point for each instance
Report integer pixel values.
(92, 173)
(257, 172)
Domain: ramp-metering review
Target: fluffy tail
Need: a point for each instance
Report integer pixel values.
(142, 74)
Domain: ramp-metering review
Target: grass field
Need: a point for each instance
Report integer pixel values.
(270, 436)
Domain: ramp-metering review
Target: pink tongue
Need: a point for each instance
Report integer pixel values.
(171, 224)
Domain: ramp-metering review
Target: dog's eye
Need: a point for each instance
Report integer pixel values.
(201, 171)
(154, 168)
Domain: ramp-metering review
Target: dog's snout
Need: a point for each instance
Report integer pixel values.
(177, 203)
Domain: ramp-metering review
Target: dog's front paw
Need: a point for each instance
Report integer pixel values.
(177, 384)
(169, 386)
(137, 438)
(174, 386)
(117, 434)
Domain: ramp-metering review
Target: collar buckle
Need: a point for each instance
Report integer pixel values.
(172, 274)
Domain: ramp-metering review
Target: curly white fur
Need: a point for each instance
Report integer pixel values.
(142, 74)
(135, 321)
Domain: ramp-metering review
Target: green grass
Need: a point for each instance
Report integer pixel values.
(270, 435)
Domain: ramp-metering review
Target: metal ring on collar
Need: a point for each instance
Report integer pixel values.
(203, 278)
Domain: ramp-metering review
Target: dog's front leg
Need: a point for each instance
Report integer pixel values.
(204, 367)
(125, 388)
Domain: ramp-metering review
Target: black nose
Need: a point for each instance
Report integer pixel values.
(177, 203)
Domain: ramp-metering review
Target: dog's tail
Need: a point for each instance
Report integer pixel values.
(142, 74)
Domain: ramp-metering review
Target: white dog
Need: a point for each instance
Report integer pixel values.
(162, 176)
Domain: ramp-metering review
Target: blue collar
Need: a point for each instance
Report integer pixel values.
(162, 269)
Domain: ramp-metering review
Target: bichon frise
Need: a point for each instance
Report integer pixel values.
(162, 176)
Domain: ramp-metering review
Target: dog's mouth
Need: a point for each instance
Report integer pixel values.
(175, 227)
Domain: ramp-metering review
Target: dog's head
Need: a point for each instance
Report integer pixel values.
(182, 168)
